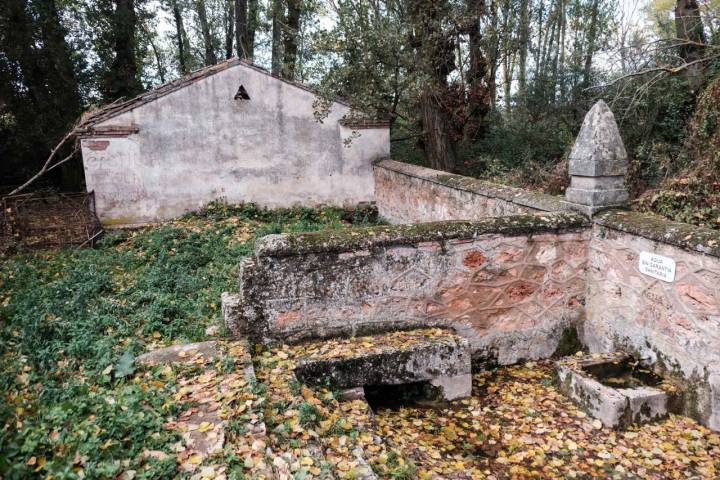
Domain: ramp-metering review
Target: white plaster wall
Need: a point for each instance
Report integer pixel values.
(198, 144)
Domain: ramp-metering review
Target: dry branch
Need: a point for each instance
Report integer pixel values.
(49, 165)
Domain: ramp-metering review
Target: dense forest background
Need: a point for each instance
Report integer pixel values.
(489, 88)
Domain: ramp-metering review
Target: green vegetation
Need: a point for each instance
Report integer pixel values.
(72, 321)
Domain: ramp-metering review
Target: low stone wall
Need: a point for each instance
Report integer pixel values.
(675, 325)
(408, 194)
(512, 286)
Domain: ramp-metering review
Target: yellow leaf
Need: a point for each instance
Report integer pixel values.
(306, 461)
(195, 459)
(205, 426)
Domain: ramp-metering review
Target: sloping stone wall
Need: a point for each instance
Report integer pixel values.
(511, 286)
(408, 193)
(674, 325)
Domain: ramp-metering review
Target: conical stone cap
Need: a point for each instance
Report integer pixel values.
(599, 150)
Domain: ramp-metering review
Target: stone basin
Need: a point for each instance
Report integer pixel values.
(615, 388)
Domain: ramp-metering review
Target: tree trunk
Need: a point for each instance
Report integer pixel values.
(290, 42)
(230, 29)
(210, 57)
(253, 21)
(561, 46)
(689, 29)
(156, 53)
(438, 145)
(591, 40)
(278, 12)
(507, 55)
(180, 29)
(241, 27)
(122, 80)
(435, 54)
(64, 82)
(523, 39)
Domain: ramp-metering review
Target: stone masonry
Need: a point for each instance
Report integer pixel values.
(510, 286)
(514, 286)
(598, 164)
(409, 193)
(675, 326)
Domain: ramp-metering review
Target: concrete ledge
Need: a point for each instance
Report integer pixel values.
(683, 235)
(370, 238)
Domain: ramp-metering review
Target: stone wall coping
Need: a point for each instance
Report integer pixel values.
(518, 196)
(653, 227)
(367, 238)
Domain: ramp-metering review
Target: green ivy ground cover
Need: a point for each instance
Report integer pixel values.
(72, 321)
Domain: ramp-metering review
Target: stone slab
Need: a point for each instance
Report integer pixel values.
(189, 352)
(444, 362)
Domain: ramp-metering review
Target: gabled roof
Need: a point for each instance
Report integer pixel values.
(116, 108)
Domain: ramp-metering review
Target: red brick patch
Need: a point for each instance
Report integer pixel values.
(474, 259)
(520, 291)
(98, 144)
(286, 318)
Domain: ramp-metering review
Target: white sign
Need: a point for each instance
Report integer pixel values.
(657, 266)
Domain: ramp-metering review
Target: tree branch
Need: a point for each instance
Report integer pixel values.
(48, 163)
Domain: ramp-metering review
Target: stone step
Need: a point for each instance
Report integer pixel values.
(436, 356)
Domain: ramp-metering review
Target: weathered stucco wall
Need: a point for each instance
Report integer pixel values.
(198, 144)
(408, 193)
(511, 286)
(673, 325)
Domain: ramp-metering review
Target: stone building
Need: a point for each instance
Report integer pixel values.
(228, 132)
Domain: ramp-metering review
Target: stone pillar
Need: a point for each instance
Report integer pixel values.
(598, 164)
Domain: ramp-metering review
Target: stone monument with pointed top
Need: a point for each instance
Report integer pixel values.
(598, 164)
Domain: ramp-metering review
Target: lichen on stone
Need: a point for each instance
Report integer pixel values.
(379, 236)
(683, 235)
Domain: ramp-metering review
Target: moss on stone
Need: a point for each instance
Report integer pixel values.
(569, 342)
(121, 221)
(683, 235)
(366, 238)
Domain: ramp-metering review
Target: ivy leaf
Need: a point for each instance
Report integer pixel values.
(125, 366)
